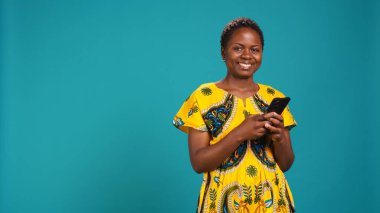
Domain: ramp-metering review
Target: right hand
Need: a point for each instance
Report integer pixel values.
(252, 127)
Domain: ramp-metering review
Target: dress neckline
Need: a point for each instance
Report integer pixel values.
(243, 99)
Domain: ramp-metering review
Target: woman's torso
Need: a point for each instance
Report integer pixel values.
(249, 180)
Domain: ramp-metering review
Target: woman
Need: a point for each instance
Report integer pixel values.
(241, 150)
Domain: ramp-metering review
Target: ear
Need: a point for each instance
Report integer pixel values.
(222, 51)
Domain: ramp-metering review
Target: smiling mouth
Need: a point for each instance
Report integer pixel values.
(245, 66)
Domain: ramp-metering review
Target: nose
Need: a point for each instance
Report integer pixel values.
(246, 54)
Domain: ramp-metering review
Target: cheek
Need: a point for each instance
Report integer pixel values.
(230, 63)
(259, 58)
(230, 60)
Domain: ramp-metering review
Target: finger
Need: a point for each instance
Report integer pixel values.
(260, 117)
(262, 130)
(257, 118)
(270, 115)
(268, 126)
(267, 116)
(272, 129)
(277, 123)
(278, 117)
(259, 129)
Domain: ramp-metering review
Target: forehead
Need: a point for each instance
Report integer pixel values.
(245, 35)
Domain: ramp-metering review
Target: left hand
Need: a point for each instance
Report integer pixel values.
(275, 127)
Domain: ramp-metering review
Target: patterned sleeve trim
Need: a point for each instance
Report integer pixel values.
(289, 121)
(189, 115)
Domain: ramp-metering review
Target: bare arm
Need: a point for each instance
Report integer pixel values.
(205, 157)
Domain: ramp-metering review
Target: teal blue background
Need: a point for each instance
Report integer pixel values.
(89, 88)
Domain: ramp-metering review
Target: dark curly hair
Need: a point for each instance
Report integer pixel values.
(236, 24)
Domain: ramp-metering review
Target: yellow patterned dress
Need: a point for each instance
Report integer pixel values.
(249, 180)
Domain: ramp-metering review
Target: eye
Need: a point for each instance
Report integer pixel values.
(255, 50)
(237, 48)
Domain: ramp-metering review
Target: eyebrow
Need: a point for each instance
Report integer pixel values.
(255, 45)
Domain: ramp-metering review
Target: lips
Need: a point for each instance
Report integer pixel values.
(245, 66)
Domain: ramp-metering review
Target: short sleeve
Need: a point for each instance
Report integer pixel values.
(289, 120)
(189, 115)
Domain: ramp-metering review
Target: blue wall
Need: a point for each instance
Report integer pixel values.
(375, 80)
(89, 88)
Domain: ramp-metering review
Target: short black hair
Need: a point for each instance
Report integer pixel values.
(236, 24)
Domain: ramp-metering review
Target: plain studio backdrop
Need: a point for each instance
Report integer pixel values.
(89, 90)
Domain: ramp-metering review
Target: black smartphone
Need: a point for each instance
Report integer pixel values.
(278, 105)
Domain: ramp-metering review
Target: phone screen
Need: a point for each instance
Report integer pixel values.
(278, 105)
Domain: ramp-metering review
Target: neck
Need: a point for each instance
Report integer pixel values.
(239, 84)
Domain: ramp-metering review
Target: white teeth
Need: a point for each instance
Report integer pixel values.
(245, 66)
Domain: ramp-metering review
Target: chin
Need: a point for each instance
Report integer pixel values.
(246, 73)
(242, 76)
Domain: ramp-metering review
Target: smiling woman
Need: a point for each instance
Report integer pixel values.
(242, 150)
(243, 53)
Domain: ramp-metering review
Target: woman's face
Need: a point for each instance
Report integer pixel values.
(243, 53)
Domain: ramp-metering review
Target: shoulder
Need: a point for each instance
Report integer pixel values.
(269, 91)
(207, 95)
(204, 90)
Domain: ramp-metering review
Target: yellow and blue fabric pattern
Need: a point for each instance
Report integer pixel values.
(249, 180)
